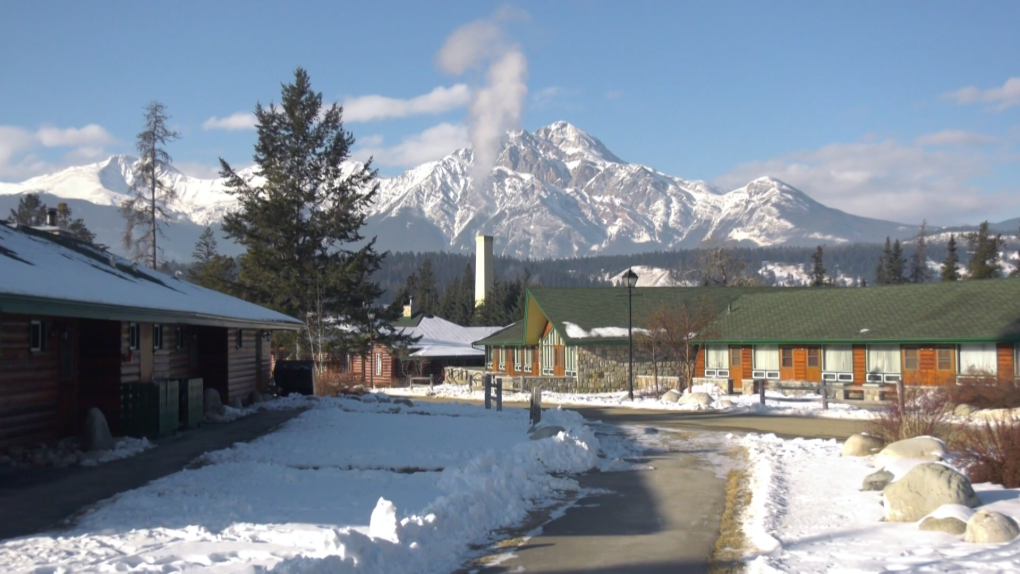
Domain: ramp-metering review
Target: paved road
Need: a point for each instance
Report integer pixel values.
(664, 520)
(42, 499)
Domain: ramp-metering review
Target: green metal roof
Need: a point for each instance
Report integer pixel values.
(512, 336)
(412, 321)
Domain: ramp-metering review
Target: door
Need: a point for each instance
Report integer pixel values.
(813, 368)
(786, 369)
(929, 366)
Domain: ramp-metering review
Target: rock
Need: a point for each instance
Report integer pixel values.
(995, 414)
(383, 398)
(369, 398)
(236, 404)
(877, 480)
(213, 404)
(724, 404)
(97, 432)
(949, 524)
(861, 445)
(926, 487)
(671, 396)
(403, 401)
(700, 399)
(964, 410)
(988, 526)
(920, 448)
(546, 432)
(255, 397)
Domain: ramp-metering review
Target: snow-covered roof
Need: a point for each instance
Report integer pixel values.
(48, 275)
(441, 338)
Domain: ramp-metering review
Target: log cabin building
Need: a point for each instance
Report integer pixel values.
(77, 322)
(575, 339)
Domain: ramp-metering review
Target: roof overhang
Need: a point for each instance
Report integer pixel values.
(28, 305)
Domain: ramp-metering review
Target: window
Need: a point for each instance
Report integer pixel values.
(766, 357)
(529, 358)
(502, 359)
(551, 352)
(134, 336)
(786, 355)
(570, 361)
(944, 358)
(883, 359)
(978, 359)
(36, 336)
(238, 339)
(178, 337)
(488, 357)
(735, 356)
(838, 358)
(716, 357)
(518, 355)
(378, 364)
(813, 358)
(157, 337)
(910, 358)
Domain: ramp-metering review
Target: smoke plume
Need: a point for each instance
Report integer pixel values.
(496, 106)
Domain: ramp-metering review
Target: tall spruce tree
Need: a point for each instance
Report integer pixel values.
(205, 247)
(950, 267)
(457, 304)
(74, 225)
(894, 265)
(881, 271)
(426, 295)
(31, 211)
(984, 257)
(300, 227)
(818, 269)
(210, 269)
(146, 211)
(918, 271)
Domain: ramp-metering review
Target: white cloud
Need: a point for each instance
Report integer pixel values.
(234, 122)
(374, 140)
(998, 99)
(17, 160)
(887, 180)
(953, 137)
(374, 107)
(432, 144)
(471, 45)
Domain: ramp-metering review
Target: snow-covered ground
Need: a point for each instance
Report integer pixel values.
(645, 400)
(350, 483)
(807, 514)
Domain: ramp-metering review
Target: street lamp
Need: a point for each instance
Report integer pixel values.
(630, 280)
(371, 345)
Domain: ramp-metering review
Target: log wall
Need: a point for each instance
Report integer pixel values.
(29, 388)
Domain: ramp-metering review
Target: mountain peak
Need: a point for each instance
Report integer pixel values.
(574, 141)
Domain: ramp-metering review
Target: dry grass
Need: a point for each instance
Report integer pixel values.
(990, 451)
(333, 383)
(985, 393)
(925, 413)
(731, 544)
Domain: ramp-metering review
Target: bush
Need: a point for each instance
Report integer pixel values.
(925, 413)
(990, 451)
(330, 383)
(985, 393)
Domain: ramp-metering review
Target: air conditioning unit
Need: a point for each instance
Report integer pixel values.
(710, 373)
(758, 374)
(874, 378)
(830, 376)
(772, 375)
(838, 377)
(892, 378)
(846, 377)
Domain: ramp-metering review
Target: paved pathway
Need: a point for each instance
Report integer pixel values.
(41, 499)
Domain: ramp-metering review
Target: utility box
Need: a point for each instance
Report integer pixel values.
(150, 410)
(192, 402)
(295, 377)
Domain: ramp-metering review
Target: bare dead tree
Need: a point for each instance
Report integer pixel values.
(719, 267)
(685, 326)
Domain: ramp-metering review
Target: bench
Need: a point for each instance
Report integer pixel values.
(420, 381)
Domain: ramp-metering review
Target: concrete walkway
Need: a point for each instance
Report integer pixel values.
(37, 500)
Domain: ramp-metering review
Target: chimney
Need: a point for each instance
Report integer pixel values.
(484, 273)
(51, 217)
(409, 308)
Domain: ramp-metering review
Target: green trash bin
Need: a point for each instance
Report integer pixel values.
(191, 408)
(150, 410)
(169, 405)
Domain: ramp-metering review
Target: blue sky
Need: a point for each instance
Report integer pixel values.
(902, 110)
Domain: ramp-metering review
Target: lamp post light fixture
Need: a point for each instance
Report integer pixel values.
(630, 280)
(371, 345)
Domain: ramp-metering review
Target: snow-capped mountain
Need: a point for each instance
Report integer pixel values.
(557, 192)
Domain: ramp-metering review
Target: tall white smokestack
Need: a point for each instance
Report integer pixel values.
(484, 270)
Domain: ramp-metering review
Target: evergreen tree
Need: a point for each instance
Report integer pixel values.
(918, 271)
(426, 297)
(881, 272)
(146, 209)
(205, 247)
(210, 269)
(818, 269)
(984, 259)
(300, 226)
(894, 265)
(950, 267)
(457, 304)
(75, 226)
(31, 211)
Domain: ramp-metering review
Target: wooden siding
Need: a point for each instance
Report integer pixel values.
(131, 364)
(699, 362)
(29, 388)
(177, 359)
(860, 364)
(1004, 353)
(242, 371)
(927, 372)
(746, 365)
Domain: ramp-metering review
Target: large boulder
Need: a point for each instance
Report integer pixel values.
(964, 410)
(949, 525)
(919, 448)
(403, 401)
(925, 488)
(236, 403)
(724, 404)
(546, 432)
(671, 396)
(877, 480)
(213, 403)
(696, 399)
(97, 432)
(255, 397)
(988, 526)
(862, 445)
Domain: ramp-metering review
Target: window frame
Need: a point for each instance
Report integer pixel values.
(817, 357)
(238, 338)
(949, 353)
(33, 345)
(179, 338)
(377, 368)
(911, 354)
(134, 336)
(502, 359)
(735, 356)
(157, 337)
(783, 356)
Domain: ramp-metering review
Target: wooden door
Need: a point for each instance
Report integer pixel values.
(145, 353)
(786, 364)
(559, 361)
(929, 366)
(813, 364)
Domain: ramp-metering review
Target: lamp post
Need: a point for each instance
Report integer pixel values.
(630, 280)
(371, 346)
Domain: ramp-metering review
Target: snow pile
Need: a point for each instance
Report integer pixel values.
(808, 514)
(125, 447)
(574, 331)
(370, 485)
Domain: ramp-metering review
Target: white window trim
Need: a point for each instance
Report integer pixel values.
(178, 337)
(42, 336)
(134, 336)
(378, 364)
(239, 338)
(502, 359)
(157, 337)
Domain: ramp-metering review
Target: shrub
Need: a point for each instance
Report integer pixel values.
(925, 413)
(990, 451)
(985, 392)
(331, 383)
